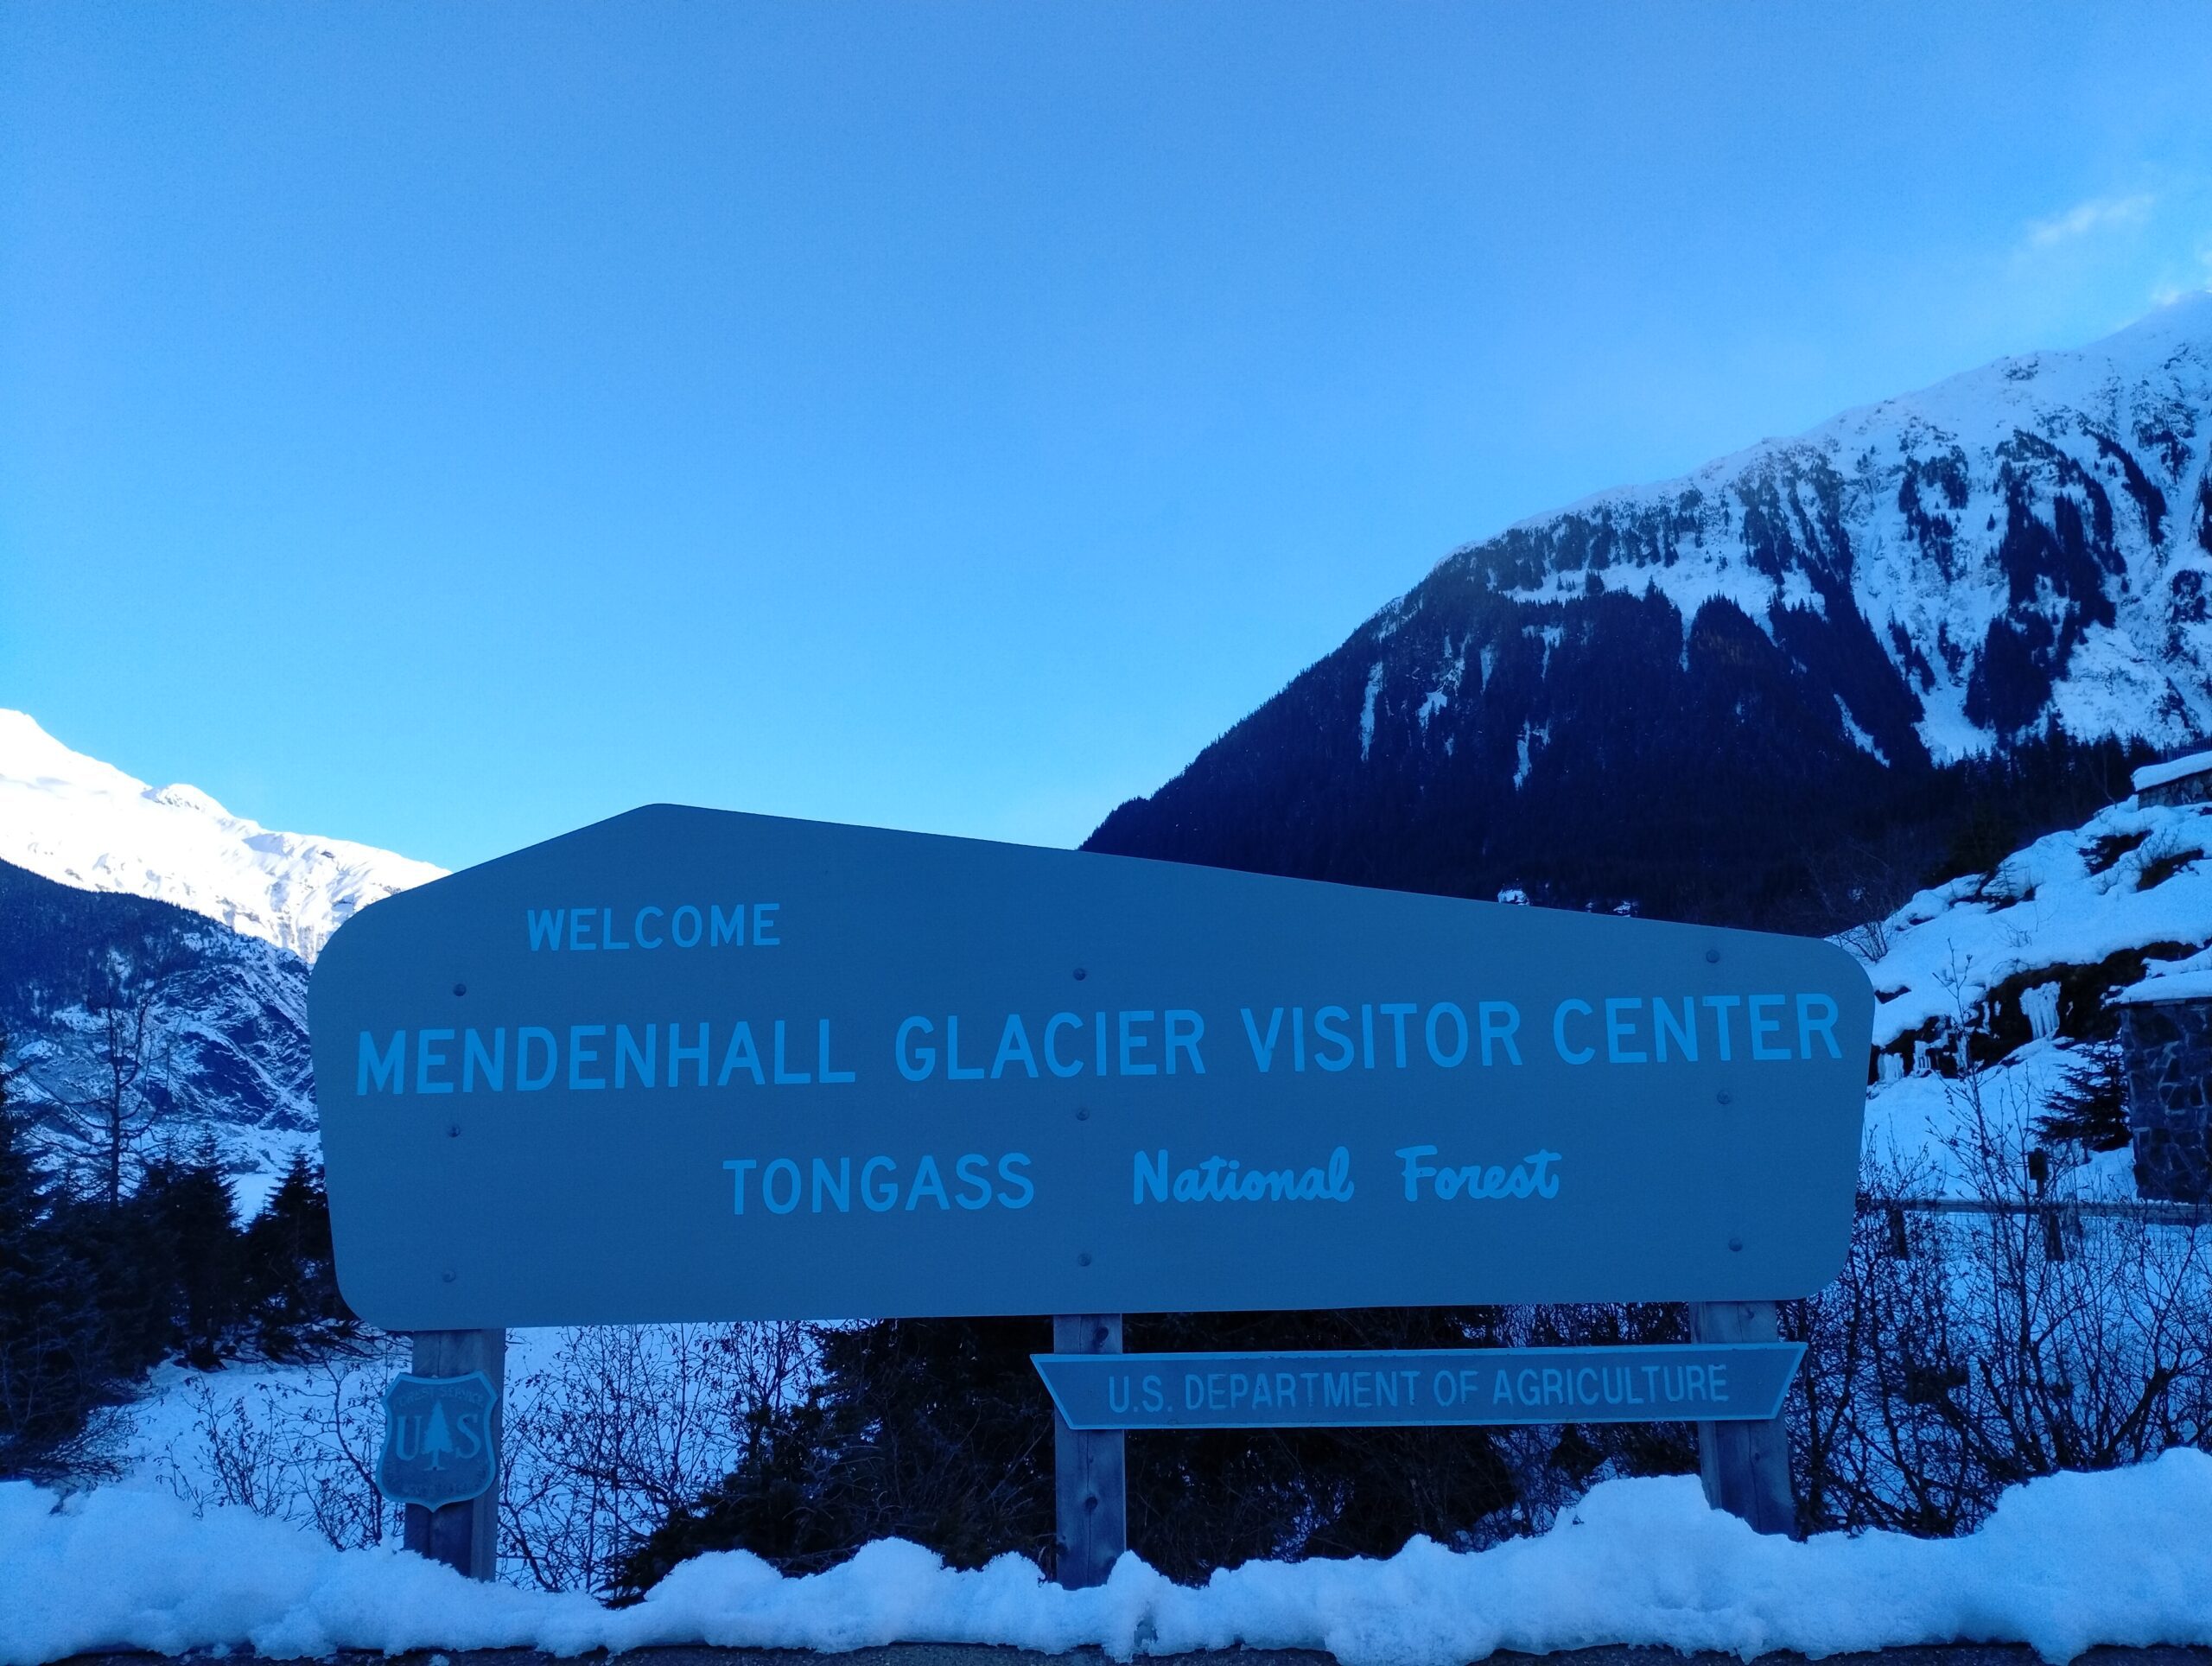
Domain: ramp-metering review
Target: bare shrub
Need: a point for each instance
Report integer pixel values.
(619, 1425)
(623, 1425)
(299, 1447)
(1962, 1352)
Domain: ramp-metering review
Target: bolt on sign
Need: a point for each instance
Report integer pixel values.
(690, 1064)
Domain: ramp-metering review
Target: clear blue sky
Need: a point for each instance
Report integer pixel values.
(444, 425)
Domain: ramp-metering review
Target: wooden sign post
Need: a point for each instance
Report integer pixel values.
(1745, 1465)
(1089, 1476)
(463, 1534)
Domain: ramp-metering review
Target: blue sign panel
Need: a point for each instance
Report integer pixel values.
(437, 1440)
(689, 1065)
(1700, 1382)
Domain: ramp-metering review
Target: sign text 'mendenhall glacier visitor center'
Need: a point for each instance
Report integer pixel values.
(695, 1064)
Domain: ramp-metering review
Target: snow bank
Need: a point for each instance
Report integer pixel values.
(2173, 769)
(2188, 978)
(2065, 1563)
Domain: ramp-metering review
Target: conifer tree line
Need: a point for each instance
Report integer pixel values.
(106, 1272)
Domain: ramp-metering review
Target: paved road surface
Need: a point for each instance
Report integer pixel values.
(963, 1654)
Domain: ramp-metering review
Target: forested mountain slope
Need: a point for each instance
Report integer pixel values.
(188, 1031)
(1784, 689)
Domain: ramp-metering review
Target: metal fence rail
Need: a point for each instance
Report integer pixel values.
(2062, 1218)
(2138, 1209)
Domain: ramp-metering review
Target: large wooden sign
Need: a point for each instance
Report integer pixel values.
(691, 1065)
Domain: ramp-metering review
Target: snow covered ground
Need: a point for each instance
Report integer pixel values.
(2129, 877)
(2066, 1563)
(1919, 1128)
(279, 1433)
(2028, 960)
(161, 1558)
(83, 823)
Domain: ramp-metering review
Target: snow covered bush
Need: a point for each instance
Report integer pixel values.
(299, 1445)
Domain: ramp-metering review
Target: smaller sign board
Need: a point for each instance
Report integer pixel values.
(437, 1440)
(1427, 1388)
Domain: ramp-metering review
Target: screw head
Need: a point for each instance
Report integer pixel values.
(460, 988)
(453, 1130)
(1724, 1096)
(1083, 1113)
(1735, 1243)
(1080, 974)
(1712, 956)
(448, 1277)
(1082, 1260)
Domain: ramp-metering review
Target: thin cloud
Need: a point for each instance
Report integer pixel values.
(2169, 291)
(2087, 219)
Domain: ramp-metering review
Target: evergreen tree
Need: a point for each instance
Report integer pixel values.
(189, 1206)
(126, 1255)
(53, 1370)
(2091, 1102)
(291, 1285)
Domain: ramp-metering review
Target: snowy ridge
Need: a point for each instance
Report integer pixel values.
(1755, 663)
(229, 1045)
(1991, 501)
(2066, 1562)
(86, 824)
(225, 1045)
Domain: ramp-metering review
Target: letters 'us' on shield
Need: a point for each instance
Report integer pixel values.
(690, 1064)
(437, 1440)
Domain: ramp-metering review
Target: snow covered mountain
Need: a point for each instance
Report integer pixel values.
(1694, 696)
(86, 824)
(224, 1052)
(2028, 539)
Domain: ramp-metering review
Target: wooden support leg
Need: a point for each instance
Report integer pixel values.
(1745, 1465)
(1090, 1480)
(465, 1536)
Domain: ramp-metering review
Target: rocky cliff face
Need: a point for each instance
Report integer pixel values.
(224, 1053)
(1776, 689)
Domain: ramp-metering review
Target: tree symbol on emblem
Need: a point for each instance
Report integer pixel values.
(437, 1439)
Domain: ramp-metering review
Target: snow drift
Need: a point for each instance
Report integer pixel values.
(2066, 1563)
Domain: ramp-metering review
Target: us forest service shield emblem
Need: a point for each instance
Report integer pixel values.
(437, 1440)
